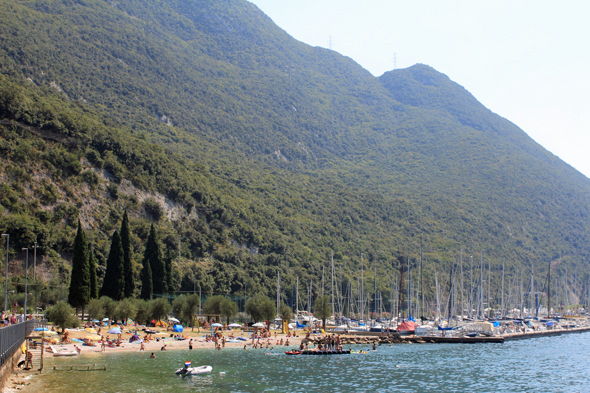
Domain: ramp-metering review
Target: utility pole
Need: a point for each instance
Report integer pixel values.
(35, 261)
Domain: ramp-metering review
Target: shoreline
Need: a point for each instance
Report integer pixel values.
(20, 380)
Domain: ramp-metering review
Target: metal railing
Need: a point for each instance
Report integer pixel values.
(12, 337)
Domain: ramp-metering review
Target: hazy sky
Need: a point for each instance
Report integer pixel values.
(528, 61)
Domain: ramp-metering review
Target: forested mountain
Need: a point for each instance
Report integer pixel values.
(258, 152)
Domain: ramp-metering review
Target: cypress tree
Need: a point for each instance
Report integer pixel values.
(153, 255)
(146, 278)
(93, 278)
(80, 281)
(169, 275)
(127, 266)
(114, 278)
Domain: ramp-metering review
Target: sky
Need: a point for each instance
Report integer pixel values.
(527, 61)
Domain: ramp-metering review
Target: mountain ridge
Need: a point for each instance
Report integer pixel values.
(293, 140)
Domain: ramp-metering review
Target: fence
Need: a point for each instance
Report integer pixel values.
(12, 337)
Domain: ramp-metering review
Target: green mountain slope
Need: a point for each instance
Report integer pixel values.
(283, 148)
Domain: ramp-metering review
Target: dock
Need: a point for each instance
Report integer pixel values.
(356, 337)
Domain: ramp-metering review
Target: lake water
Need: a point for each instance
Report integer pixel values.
(545, 364)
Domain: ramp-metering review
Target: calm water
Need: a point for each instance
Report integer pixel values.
(551, 364)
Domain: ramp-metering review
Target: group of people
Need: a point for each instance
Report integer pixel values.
(7, 320)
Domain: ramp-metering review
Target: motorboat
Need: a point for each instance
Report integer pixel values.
(188, 370)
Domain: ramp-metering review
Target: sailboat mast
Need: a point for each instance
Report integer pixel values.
(297, 296)
(400, 304)
(462, 287)
(502, 307)
(332, 259)
(362, 288)
(421, 284)
(375, 285)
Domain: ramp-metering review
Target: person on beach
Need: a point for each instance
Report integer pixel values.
(190, 344)
(164, 348)
(142, 347)
(153, 356)
(103, 345)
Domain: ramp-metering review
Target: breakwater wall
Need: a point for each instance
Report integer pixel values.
(394, 338)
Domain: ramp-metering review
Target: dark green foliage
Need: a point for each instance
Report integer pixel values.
(142, 314)
(62, 315)
(109, 306)
(286, 312)
(169, 273)
(126, 309)
(114, 280)
(146, 279)
(280, 167)
(159, 308)
(127, 266)
(153, 257)
(322, 309)
(93, 278)
(80, 284)
(189, 309)
(220, 305)
(95, 309)
(261, 308)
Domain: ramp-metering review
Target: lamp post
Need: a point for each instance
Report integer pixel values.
(7, 236)
(26, 280)
(35, 262)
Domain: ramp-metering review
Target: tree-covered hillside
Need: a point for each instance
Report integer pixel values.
(259, 152)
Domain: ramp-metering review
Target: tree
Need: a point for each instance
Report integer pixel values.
(80, 282)
(322, 309)
(261, 308)
(146, 280)
(93, 279)
(153, 255)
(109, 306)
(143, 311)
(62, 315)
(159, 308)
(228, 308)
(95, 309)
(190, 308)
(127, 265)
(126, 309)
(285, 313)
(177, 306)
(212, 305)
(114, 278)
(169, 275)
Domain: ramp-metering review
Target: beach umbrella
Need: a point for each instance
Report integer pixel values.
(259, 324)
(105, 319)
(216, 325)
(95, 320)
(173, 320)
(41, 329)
(234, 325)
(115, 331)
(91, 330)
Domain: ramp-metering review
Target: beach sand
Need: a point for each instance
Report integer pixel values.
(21, 378)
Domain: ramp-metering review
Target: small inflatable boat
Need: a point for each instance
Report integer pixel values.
(188, 370)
